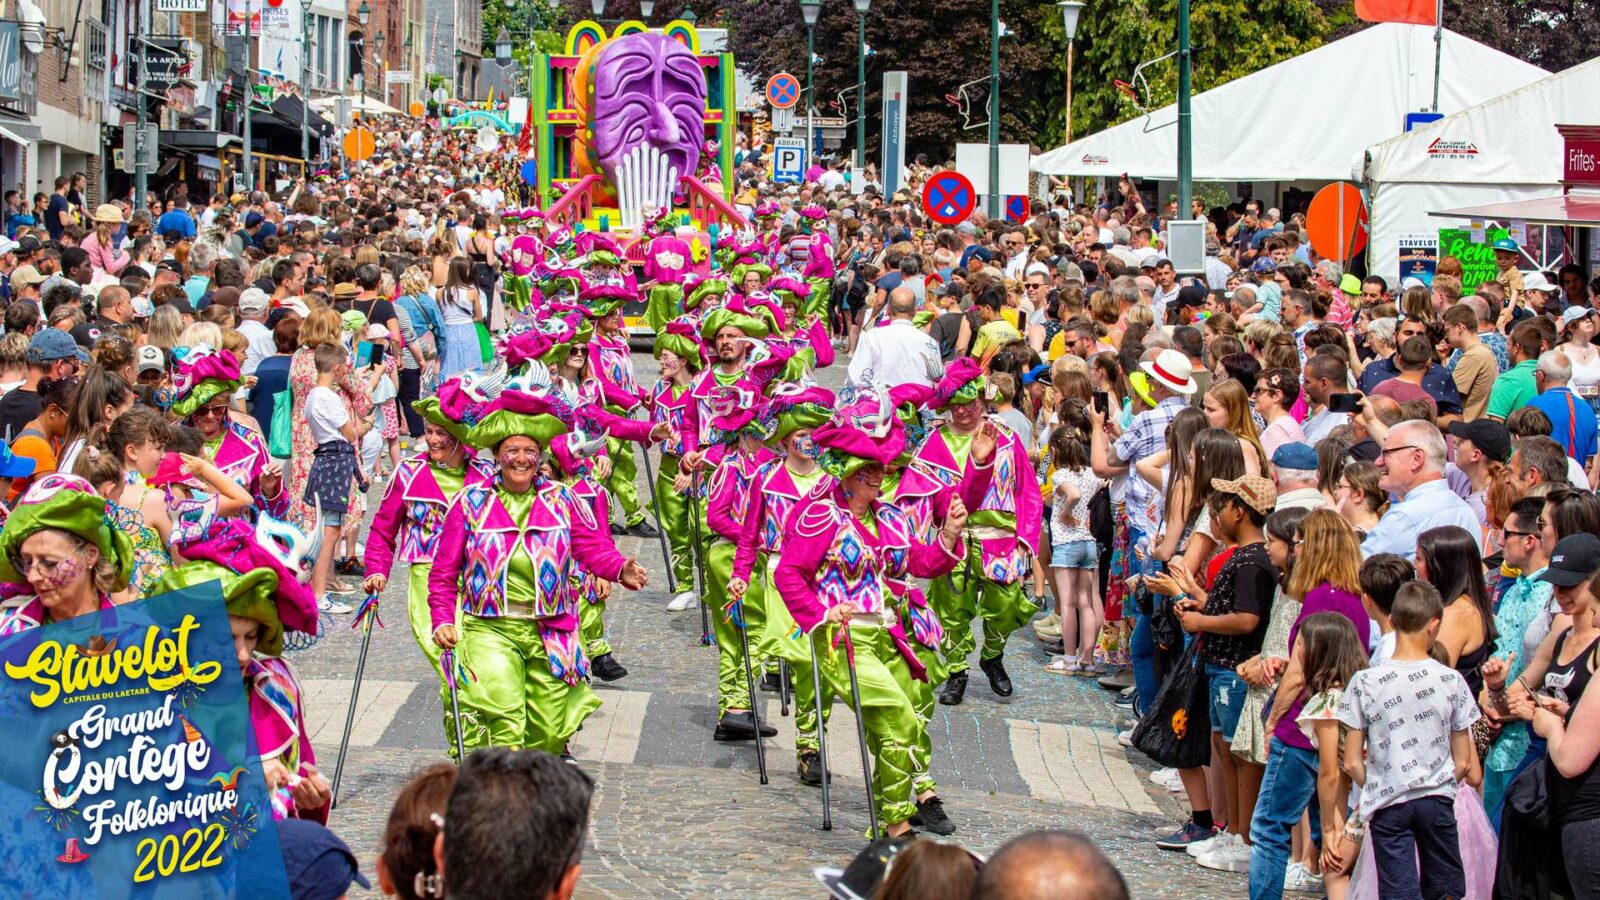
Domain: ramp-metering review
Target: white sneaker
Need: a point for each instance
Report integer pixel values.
(334, 607)
(1125, 738)
(1171, 782)
(1299, 879)
(1229, 854)
(682, 601)
(1207, 845)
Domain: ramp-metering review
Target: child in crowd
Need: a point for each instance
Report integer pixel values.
(328, 485)
(1382, 574)
(1408, 744)
(1074, 555)
(1331, 653)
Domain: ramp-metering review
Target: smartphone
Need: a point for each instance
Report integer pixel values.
(1344, 403)
(378, 351)
(1102, 402)
(363, 354)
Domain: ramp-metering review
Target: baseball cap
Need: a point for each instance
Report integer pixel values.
(51, 344)
(253, 219)
(253, 300)
(317, 862)
(25, 276)
(1037, 373)
(1506, 243)
(295, 305)
(14, 466)
(7, 245)
(1295, 456)
(864, 873)
(1264, 266)
(151, 358)
(1537, 282)
(28, 244)
(1574, 314)
(1254, 490)
(1576, 557)
(1487, 435)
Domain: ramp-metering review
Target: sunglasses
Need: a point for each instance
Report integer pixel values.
(211, 411)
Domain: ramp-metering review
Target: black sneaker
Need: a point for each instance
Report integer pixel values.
(618, 530)
(930, 817)
(606, 668)
(1123, 701)
(999, 681)
(809, 768)
(955, 688)
(643, 529)
(1059, 648)
(740, 726)
(770, 683)
(347, 565)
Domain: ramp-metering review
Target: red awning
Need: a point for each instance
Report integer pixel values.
(1569, 209)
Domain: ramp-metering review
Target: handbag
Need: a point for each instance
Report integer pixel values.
(280, 431)
(1101, 523)
(1176, 730)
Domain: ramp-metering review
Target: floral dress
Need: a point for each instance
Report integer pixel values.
(1250, 739)
(151, 559)
(302, 378)
(388, 423)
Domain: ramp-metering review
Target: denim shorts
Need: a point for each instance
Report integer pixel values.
(1226, 690)
(1075, 555)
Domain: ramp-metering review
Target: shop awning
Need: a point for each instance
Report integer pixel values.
(19, 132)
(1565, 210)
(286, 111)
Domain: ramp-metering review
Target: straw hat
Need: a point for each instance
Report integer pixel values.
(109, 213)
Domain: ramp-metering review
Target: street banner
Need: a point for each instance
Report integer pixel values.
(1411, 12)
(1419, 256)
(893, 170)
(1476, 253)
(130, 766)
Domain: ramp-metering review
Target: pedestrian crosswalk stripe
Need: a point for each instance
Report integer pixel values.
(1075, 764)
(612, 734)
(844, 750)
(327, 702)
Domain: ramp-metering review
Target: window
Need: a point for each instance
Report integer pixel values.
(94, 60)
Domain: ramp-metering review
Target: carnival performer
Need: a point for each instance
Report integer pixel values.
(1004, 529)
(504, 565)
(769, 231)
(811, 252)
(578, 460)
(265, 597)
(806, 335)
(704, 293)
(203, 383)
(729, 333)
(841, 546)
(668, 259)
(774, 490)
(59, 556)
(410, 518)
(737, 439)
(611, 361)
(681, 357)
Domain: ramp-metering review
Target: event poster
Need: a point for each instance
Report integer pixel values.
(1476, 257)
(129, 765)
(1419, 256)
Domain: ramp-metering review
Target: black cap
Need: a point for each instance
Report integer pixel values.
(861, 878)
(1487, 435)
(1577, 557)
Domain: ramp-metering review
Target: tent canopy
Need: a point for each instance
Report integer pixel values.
(369, 106)
(1320, 109)
(1484, 162)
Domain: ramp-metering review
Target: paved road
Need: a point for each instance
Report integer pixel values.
(678, 815)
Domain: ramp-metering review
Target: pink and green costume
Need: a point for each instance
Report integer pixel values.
(670, 404)
(1003, 527)
(831, 558)
(505, 566)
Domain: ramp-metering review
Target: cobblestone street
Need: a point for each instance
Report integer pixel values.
(677, 815)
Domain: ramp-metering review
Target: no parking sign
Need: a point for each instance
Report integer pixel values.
(949, 198)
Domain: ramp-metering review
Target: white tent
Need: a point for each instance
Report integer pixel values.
(1305, 118)
(1501, 151)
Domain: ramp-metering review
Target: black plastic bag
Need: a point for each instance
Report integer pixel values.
(1176, 730)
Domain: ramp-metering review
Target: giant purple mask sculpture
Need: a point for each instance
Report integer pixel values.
(643, 97)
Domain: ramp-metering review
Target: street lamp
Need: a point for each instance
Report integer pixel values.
(363, 13)
(862, 7)
(810, 10)
(598, 7)
(1070, 10)
(691, 18)
(994, 109)
(502, 47)
(647, 8)
(383, 66)
(305, 80)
